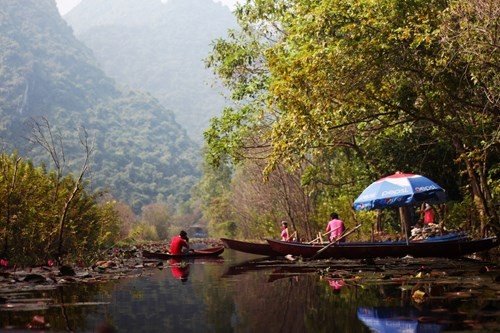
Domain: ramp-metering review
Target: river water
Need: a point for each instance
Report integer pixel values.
(245, 293)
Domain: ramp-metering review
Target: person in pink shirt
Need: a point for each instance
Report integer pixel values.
(336, 226)
(284, 231)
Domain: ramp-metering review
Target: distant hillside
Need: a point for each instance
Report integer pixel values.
(159, 48)
(142, 153)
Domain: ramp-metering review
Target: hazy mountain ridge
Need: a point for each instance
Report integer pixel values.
(159, 48)
(95, 13)
(141, 152)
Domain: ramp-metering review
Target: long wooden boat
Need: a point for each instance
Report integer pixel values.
(448, 248)
(207, 252)
(263, 249)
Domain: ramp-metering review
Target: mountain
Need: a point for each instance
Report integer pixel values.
(141, 152)
(159, 47)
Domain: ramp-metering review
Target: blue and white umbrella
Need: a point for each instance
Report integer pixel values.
(399, 190)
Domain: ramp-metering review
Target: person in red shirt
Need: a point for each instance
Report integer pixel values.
(428, 214)
(178, 243)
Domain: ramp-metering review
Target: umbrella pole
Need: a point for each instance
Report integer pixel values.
(373, 232)
(379, 220)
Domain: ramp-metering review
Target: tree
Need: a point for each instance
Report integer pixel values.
(157, 215)
(49, 214)
(42, 134)
(127, 218)
(30, 216)
(258, 207)
(213, 194)
(344, 74)
(469, 35)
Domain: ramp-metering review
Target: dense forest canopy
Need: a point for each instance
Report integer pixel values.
(345, 92)
(142, 155)
(158, 47)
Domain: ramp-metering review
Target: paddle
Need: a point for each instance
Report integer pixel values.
(335, 241)
(326, 234)
(291, 236)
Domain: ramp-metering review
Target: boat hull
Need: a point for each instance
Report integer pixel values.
(369, 250)
(208, 252)
(263, 249)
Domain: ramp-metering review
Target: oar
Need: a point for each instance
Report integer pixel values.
(335, 241)
(326, 234)
(292, 235)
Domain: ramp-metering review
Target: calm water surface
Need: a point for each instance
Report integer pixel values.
(245, 293)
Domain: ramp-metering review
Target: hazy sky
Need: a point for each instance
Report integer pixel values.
(66, 5)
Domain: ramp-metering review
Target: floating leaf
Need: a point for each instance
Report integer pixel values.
(419, 296)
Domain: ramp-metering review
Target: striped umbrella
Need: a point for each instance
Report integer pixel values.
(399, 190)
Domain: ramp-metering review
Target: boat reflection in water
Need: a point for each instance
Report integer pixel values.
(275, 269)
(392, 320)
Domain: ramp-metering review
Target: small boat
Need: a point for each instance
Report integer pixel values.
(263, 249)
(207, 252)
(447, 248)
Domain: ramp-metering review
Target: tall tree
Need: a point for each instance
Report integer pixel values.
(157, 215)
(343, 74)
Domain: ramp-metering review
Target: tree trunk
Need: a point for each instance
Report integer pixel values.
(479, 190)
(404, 215)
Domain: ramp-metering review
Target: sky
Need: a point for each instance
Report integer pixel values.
(65, 6)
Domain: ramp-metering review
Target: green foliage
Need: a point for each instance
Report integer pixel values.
(158, 216)
(212, 193)
(143, 232)
(358, 89)
(31, 202)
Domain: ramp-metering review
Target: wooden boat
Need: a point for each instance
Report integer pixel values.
(263, 249)
(447, 248)
(207, 252)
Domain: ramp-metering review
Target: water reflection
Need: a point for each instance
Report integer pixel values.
(392, 320)
(242, 293)
(336, 284)
(180, 269)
